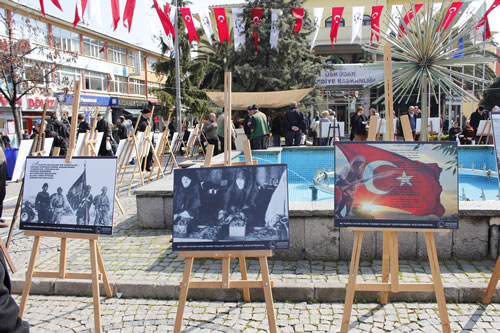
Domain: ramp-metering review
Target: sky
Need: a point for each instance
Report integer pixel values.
(494, 17)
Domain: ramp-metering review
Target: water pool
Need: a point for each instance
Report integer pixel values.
(473, 178)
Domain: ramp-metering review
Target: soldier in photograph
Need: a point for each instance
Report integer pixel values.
(58, 205)
(102, 207)
(42, 204)
(82, 213)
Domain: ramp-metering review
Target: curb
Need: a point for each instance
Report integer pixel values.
(282, 292)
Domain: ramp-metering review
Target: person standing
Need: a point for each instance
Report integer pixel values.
(59, 132)
(57, 204)
(210, 130)
(83, 126)
(102, 207)
(144, 120)
(220, 133)
(260, 134)
(475, 119)
(103, 126)
(249, 124)
(413, 120)
(5, 140)
(3, 180)
(296, 125)
(325, 125)
(82, 213)
(42, 204)
(276, 130)
(359, 125)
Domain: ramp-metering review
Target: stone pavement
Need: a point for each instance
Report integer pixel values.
(75, 314)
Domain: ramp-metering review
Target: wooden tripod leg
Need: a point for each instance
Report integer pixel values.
(7, 257)
(394, 257)
(95, 286)
(488, 294)
(29, 276)
(183, 294)
(351, 283)
(243, 270)
(62, 258)
(385, 267)
(268, 294)
(119, 205)
(436, 280)
(15, 215)
(105, 281)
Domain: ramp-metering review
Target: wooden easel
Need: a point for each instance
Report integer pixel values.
(488, 294)
(89, 146)
(487, 129)
(226, 256)
(390, 258)
(173, 149)
(390, 252)
(372, 129)
(96, 262)
(161, 148)
(405, 125)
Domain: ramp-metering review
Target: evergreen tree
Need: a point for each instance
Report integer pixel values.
(492, 95)
(292, 65)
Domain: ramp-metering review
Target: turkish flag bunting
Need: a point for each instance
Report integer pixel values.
(79, 11)
(336, 17)
(484, 19)
(487, 31)
(256, 16)
(55, 2)
(128, 14)
(165, 20)
(188, 20)
(409, 16)
(450, 15)
(220, 15)
(115, 11)
(299, 16)
(375, 19)
(396, 181)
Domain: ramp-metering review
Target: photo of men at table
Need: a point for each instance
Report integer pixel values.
(211, 203)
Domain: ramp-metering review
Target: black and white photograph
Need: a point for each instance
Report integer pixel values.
(69, 197)
(231, 208)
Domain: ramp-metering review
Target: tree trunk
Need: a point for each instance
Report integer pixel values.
(17, 122)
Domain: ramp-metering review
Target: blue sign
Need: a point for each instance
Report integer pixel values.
(85, 99)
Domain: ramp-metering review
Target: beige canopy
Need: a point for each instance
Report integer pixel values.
(264, 99)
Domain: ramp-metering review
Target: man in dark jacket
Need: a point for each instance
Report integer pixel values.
(59, 132)
(476, 117)
(144, 120)
(296, 125)
(9, 311)
(83, 126)
(249, 123)
(276, 129)
(103, 126)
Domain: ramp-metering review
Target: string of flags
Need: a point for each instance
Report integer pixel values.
(167, 15)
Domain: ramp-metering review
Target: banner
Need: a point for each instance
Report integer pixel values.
(205, 23)
(317, 14)
(375, 22)
(238, 28)
(336, 18)
(299, 17)
(396, 185)
(220, 17)
(188, 20)
(256, 16)
(357, 22)
(275, 27)
(396, 19)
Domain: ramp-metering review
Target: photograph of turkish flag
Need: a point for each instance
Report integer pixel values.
(391, 184)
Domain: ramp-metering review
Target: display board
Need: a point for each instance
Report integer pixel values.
(24, 151)
(396, 185)
(69, 197)
(432, 122)
(231, 208)
(495, 122)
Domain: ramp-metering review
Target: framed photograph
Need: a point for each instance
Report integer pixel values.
(69, 197)
(396, 185)
(231, 208)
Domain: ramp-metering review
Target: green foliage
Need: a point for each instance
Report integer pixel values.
(290, 66)
(492, 95)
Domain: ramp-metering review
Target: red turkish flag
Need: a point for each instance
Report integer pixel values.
(220, 16)
(256, 16)
(188, 20)
(299, 17)
(392, 180)
(487, 31)
(55, 2)
(450, 15)
(375, 19)
(115, 11)
(336, 17)
(128, 14)
(409, 16)
(165, 20)
(77, 19)
(485, 17)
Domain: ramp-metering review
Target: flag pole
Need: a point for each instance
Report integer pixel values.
(177, 74)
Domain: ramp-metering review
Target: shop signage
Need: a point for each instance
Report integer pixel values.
(35, 103)
(5, 102)
(85, 100)
(131, 103)
(350, 75)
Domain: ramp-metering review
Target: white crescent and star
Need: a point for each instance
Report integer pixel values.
(405, 179)
(337, 18)
(187, 18)
(368, 174)
(256, 20)
(221, 18)
(374, 16)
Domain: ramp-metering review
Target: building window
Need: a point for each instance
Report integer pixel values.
(149, 62)
(367, 20)
(95, 81)
(3, 20)
(66, 40)
(152, 86)
(37, 75)
(117, 54)
(30, 29)
(66, 77)
(142, 63)
(328, 22)
(94, 48)
(119, 84)
(137, 87)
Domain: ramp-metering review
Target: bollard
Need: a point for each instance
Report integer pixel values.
(494, 239)
(314, 192)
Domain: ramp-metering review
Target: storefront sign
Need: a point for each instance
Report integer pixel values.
(85, 100)
(131, 103)
(350, 75)
(5, 102)
(35, 103)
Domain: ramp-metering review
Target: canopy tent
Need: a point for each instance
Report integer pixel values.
(264, 99)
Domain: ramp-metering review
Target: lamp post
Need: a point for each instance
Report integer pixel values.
(177, 74)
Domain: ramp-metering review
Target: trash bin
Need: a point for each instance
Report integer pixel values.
(11, 155)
